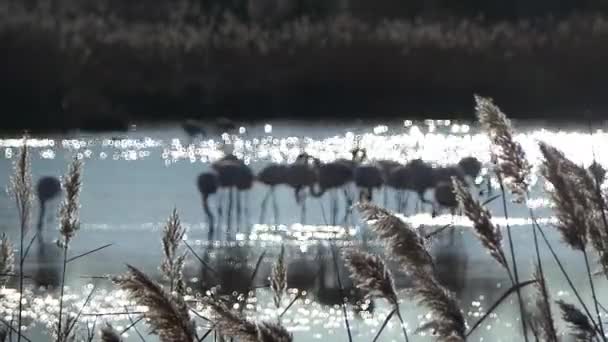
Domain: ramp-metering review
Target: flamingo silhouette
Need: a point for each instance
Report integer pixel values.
(194, 128)
(331, 177)
(386, 167)
(367, 177)
(336, 175)
(422, 178)
(208, 184)
(445, 197)
(470, 166)
(48, 188)
(300, 175)
(233, 174)
(399, 178)
(272, 175)
(445, 174)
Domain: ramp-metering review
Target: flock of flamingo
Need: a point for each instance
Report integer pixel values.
(308, 175)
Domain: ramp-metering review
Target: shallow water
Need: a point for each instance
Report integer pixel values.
(132, 182)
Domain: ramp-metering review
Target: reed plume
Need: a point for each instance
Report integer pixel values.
(370, 274)
(7, 259)
(545, 316)
(572, 194)
(569, 198)
(20, 189)
(409, 249)
(271, 332)
(172, 264)
(402, 241)
(231, 323)
(108, 334)
(511, 163)
(20, 186)
(278, 278)
(448, 320)
(69, 224)
(486, 231)
(69, 218)
(580, 327)
(168, 314)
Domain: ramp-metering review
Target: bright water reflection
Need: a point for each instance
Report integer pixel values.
(133, 180)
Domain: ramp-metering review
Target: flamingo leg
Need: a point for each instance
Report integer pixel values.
(246, 211)
(349, 204)
(275, 207)
(229, 214)
(220, 208)
(210, 219)
(41, 226)
(239, 213)
(385, 199)
(264, 203)
(303, 210)
(398, 196)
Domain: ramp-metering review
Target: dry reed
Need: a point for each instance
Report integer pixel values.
(486, 231)
(7, 259)
(168, 314)
(172, 264)
(448, 320)
(580, 327)
(270, 332)
(544, 318)
(402, 241)
(69, 218)
(231, 323)
(68, 226)
(278, 278)
(511, 162)
(409, 249)
(370, 274)
(512, 169)
(20, 188)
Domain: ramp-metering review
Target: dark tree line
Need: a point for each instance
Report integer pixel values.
(275, 11)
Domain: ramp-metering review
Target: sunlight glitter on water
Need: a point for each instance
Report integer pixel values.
(432, 141)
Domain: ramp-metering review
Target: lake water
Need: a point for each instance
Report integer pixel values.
(133, 180)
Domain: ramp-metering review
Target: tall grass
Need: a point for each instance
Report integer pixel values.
(21, 190)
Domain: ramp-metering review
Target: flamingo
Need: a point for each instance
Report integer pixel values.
(399, 178)
(367, 177)
(299, 176)
(335, 175)
(386, 167)
(470, 166)
(445, 197)
(208, 184)
(233, 174)
(48, 188)
(422, 178)
(194, 128)
(330, 177)
(272, 176)
(445, 174)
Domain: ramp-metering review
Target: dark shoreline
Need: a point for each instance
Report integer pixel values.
(97, 74)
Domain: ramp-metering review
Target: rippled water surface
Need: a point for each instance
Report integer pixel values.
(133, 180)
